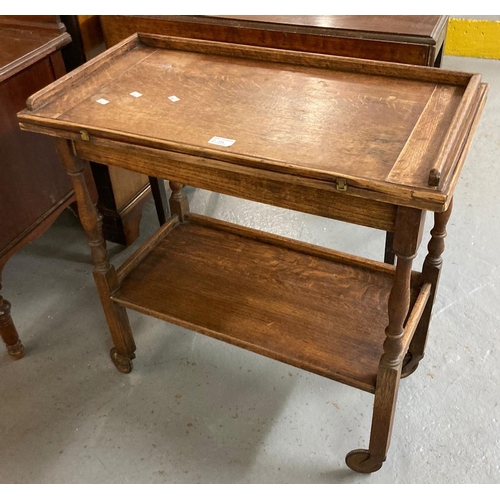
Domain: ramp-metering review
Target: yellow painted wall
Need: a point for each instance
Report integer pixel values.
(473, 38)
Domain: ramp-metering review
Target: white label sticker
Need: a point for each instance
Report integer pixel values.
(135, 94)
(102, 101)
(221, 141)
(174, 98)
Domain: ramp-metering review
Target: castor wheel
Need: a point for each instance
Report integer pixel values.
(123, 364)
(410, 364)
(359, 461)
(16, 351)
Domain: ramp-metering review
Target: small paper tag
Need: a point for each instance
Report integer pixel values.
(102, 101)
(221, 141)
(135, 94)
(174, 98)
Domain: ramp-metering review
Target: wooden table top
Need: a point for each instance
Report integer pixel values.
(383, 127)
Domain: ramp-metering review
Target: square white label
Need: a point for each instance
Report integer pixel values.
(174, 98)
(135, 94)
(102, 101)
(221, 141)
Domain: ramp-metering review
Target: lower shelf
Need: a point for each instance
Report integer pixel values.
(312, 308)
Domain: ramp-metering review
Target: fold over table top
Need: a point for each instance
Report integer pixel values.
(385, 128)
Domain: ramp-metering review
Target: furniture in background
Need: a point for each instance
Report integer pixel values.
(34, 187)
(364, 142)
(417, 40)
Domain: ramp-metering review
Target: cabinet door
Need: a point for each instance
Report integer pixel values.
(32, 179)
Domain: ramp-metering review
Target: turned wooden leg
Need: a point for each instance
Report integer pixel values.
(104, 273)
(179, 204)
(409, 223)
(8, 331)
(431, 271)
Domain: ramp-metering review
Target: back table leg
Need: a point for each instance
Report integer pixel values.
(408, 232)
(179, 204)
(430, 274)
(104, 273)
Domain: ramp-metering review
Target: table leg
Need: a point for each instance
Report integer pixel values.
(104, 273)
(431, 271)
(179, 204)
(8, 331)
(408, 231)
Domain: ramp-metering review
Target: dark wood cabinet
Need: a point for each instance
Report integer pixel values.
(34, 187)
(415, 40)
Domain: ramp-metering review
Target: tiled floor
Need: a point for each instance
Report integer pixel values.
(198, 410)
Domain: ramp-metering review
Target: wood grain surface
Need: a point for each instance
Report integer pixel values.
(331, 118)
(291, 304)
(312, 115)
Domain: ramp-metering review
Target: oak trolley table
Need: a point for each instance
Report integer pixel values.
(369, 143)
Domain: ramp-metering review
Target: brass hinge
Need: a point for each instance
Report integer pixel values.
(84, 135)
(341, 184)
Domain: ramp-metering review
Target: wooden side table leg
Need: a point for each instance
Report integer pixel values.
(408, 233)
(179, 204)
(104, 273)
(431, 271)
(8, 331)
